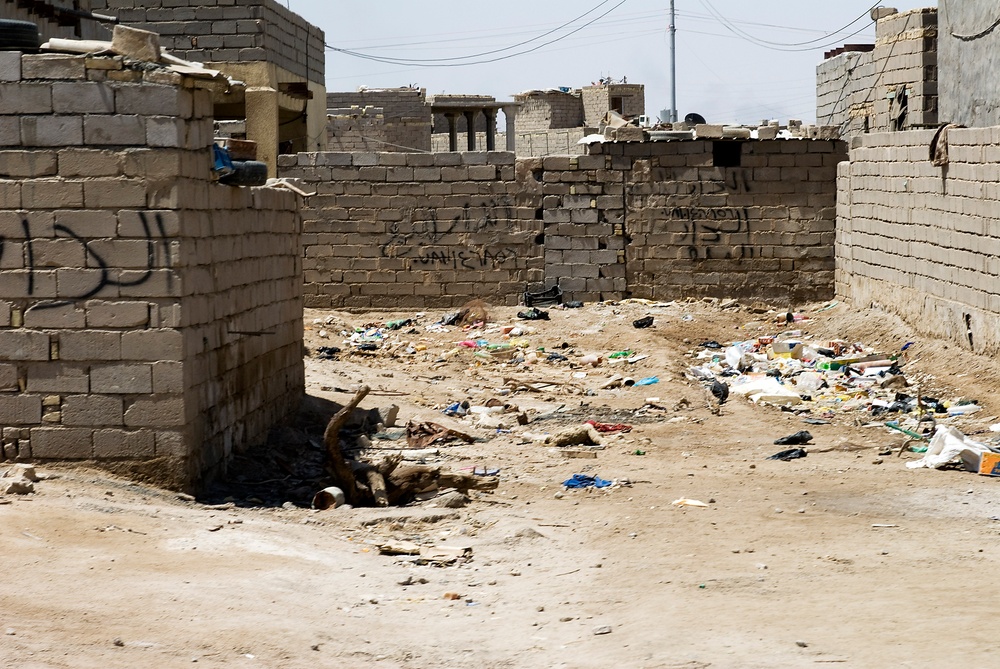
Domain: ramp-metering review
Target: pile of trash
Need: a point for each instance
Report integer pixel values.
(826, 379)
(479, 342)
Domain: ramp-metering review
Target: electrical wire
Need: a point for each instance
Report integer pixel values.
(789, 46)
(448, 62)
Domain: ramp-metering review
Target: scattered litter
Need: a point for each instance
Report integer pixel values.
(882, 525)
(648, 381)
(797, 439)
(328, 498)
(643, 323)
(327, 352)
(684, 501)
(606, 427)
(422, 435)
(720, 390)
(584, 481)
(949, 445)
(578, 435)
(533, 314)
(790, 454)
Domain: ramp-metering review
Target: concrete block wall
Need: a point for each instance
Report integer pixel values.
(761, 230)
(394, 230)
(357, 130)
(855, 90)
(597, 101)
(649, 219)
(406, 118)
(50, 22)
(221, 31)
(150, 320)
(540, 143)
(546, 110)
(922, 241)
(583, 207)
(968, 59)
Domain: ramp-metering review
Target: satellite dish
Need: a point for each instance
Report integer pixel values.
(694, 119)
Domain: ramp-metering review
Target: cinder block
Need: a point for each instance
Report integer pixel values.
(82, 97)
(156, 412)
(117, 130)
(26, 98)
(23, 345)
(92, 410)
(124, 444)
(60, 317)
(10, 66)
(51, 194)
(153, 345)
(89, 163)
(20, 409)
(53, 66)
(31, 164)
(113, 193)
(61, 443)
(121, 379)
(57, 377)
(51, 131)
(101, 314)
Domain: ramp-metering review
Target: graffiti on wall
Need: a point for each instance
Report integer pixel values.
(105, 275)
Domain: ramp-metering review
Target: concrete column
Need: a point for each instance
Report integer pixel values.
(470, 125)
(510, 113)
(263, 123)
(452, 131)
(491, 129)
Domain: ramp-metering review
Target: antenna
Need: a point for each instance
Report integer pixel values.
(673, 64)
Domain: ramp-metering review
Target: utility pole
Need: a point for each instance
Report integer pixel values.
(673, 64)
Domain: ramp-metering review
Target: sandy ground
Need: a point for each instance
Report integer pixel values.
(844, 558)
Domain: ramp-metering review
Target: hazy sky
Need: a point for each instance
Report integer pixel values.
(719, 75)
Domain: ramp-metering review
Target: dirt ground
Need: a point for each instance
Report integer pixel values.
(844, 558)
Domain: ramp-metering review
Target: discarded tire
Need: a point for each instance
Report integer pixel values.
(18, 36)
(246, 173)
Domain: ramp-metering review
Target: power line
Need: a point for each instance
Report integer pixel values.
(441, 62)
(789, 46)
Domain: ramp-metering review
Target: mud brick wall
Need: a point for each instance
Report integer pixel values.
(649, 219)
(150, 320)
(922, 241)
(414, 230)
(856, 90)
(762, 228)
(218, 31)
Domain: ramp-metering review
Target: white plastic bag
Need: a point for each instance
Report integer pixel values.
(948, 445)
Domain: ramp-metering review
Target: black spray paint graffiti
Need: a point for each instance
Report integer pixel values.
(427, 241)
(703, 229)
(104, 278)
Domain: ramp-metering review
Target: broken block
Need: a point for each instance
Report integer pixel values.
(135, 43)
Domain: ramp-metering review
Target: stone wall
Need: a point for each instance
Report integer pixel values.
(922, 241)
(406, 118)
(661, 220)
(862, 92)
(546, 110)
(150, 320)
(225, 31)
(969, 48)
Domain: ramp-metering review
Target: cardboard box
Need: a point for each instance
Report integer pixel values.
(990, 464)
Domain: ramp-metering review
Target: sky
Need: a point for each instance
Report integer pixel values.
(724, 76)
